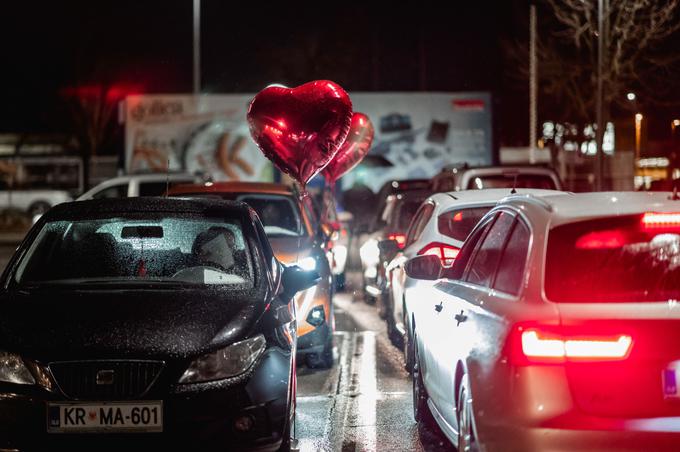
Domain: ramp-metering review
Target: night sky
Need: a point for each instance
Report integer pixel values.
(46, 46)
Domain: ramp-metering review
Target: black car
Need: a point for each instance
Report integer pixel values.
(148, 321)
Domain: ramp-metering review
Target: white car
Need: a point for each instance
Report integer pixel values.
(439, 228)
(33, 202)
(557, 327)
(153, 184)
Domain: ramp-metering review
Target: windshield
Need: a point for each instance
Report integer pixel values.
(138, 250)
(279, 214)
(458, 223)
(613, 260)
(508, 181)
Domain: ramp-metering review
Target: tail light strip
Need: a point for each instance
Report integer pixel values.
(537, 345)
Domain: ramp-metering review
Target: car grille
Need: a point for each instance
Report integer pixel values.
(105, 380)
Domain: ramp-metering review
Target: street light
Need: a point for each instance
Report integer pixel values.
(631, 96)
(638, 129)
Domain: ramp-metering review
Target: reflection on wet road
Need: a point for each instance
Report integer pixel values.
(364, 402)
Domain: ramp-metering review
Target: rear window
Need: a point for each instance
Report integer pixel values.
(508, 181)
(624, 259)
(403, 214)
(139, 249)
(458, 223)
(279, 214)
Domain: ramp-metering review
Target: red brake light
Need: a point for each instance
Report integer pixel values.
(538, 345)
(447, 253)
(601, 240)
(399, 238)
(661, 220)
(458, 216)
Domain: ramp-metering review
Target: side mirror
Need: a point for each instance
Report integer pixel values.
(295, 279)
(424, 267)
(388, 247)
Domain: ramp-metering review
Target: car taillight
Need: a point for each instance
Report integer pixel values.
(399, 238)
(661, 220)
(540, 345)
(447, 253)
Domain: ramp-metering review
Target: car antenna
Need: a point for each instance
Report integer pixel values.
(167, 178)
(514, 185)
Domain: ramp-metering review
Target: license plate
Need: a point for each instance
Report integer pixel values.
(108, 417)
(669, 379)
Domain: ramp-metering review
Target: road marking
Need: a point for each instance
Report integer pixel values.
(360, 412)
(368, 384)
(333, 430)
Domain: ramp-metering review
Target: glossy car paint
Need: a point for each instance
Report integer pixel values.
(152, 322)
(289, 250)
(463, 331)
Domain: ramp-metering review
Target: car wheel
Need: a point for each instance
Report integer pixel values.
(368, 298)
(325, 359)
(286, 440)
(38, 208)
(467, 442)
(408, 349)
(392, 332)
(340, 282)
(421, 412)
(381, 303)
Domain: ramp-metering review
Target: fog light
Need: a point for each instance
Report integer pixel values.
(244, 423)
(316, 316)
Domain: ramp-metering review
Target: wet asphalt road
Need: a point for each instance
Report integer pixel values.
(364, 402)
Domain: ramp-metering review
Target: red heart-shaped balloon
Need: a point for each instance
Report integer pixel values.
(300, 129)
(353, 150)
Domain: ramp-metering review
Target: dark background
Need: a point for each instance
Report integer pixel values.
(47, 46)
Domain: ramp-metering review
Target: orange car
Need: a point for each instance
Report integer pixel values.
(293, 229)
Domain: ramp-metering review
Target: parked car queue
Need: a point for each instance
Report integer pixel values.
(551, 326)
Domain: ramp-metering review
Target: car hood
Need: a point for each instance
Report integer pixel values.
(62, 324)
(289, 250)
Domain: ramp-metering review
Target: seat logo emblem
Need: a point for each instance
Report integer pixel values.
(105, 377)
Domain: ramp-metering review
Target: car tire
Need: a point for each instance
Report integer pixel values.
(467, 441)
(392, 332)
(340, 282)
(38, 208)
(421, 412)
(368, 298)
(408, 348)
(381, 304)
(286, 439)
(325, 359)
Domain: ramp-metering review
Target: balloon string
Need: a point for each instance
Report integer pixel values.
(303, 193)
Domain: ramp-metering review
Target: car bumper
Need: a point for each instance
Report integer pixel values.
(197, 416)
(648, 434)
(539, 414)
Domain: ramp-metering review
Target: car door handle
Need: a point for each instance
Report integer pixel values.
(439, 307)
(460, 318)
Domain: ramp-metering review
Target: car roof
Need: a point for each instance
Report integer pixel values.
(487, 195)
(96, 207)
(411, 195)
(488, 169)
(151, 177)
(582, 206)
(232, 187)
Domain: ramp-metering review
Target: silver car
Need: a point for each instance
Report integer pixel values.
(557, 327)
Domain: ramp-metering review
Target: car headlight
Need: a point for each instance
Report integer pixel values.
(227, 362)
(13, 370)
(316, 316)
(307, 263)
